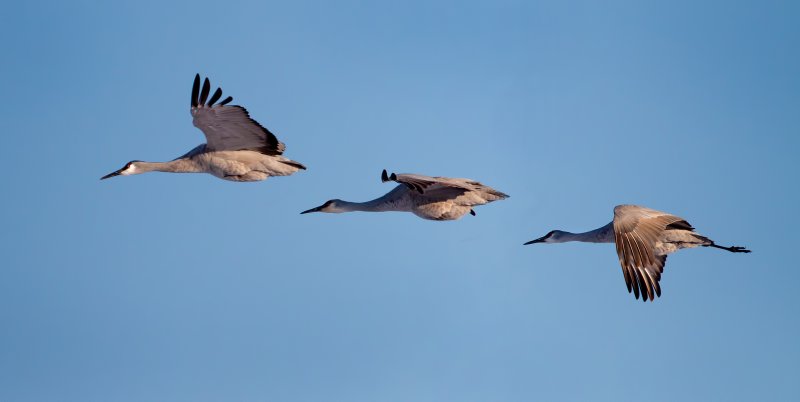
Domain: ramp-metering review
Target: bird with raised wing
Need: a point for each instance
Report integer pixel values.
(237, 147)
(644, 237)
(434, 198)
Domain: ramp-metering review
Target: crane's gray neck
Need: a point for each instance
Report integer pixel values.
(603, 234)
(178, 165)
(382, 204)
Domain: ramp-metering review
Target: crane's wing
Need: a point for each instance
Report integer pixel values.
(430, 187)
(193, 152)
(636, 231)
(229, 128)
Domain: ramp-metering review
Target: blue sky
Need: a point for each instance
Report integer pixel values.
(190, 288)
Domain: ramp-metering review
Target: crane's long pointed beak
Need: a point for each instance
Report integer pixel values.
(315, 209)
(112, 174)
(539, 240)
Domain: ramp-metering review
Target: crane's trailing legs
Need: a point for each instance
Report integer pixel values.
(732, 249)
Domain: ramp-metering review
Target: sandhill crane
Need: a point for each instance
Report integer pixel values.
(434, 198)
(643, 238)
(237, 148)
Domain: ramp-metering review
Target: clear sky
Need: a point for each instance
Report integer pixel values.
(165, 287)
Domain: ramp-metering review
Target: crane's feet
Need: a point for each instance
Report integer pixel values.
(472, 212)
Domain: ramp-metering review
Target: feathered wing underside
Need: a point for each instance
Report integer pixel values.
(638, 235)
(434, 189)
(229, 128)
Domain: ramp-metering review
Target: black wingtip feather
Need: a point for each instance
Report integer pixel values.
(195, 90)
(215, 97)
(636, 284)
(204, 92)
(226, 101)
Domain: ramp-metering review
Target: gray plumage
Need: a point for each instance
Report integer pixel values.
(237, 147)
(434, 198)
(643, 237)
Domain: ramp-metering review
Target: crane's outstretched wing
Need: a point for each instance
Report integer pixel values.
(636, 232)
(431, 187)
(229, 128)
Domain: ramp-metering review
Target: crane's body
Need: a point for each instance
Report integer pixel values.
(643, 237)
(237, 147)
(433, 198)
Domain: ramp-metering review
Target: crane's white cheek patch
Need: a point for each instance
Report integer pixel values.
(129, 171)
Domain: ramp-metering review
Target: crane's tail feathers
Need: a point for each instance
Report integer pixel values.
(488, 193)
(294, 164)
(498, 194)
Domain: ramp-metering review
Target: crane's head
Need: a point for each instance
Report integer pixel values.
(552, 236)
(129, 169)
(330, 206)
